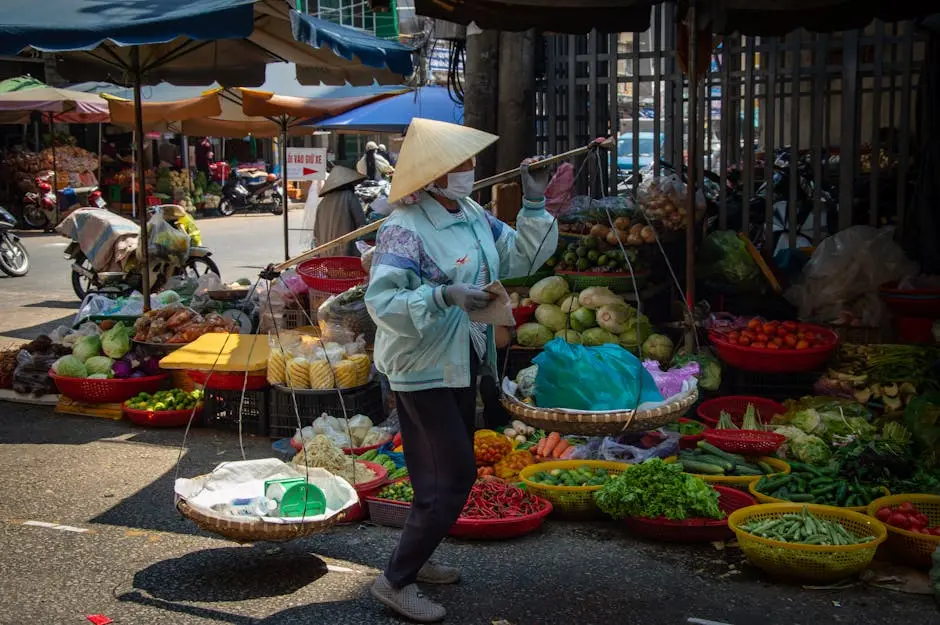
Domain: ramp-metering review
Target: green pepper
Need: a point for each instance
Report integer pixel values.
(770, 485)
(801, 497)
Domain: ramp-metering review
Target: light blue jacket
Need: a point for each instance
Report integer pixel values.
(421, 342)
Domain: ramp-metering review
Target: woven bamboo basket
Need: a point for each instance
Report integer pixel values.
(255, 530)
(598, 423)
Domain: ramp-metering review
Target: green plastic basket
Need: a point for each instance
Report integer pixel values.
(527, 280)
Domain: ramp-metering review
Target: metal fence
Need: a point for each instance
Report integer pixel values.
(847, 97)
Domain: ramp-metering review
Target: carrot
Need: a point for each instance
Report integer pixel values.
(541, 445)
(568, 453)
(552, 440)
(560, 448)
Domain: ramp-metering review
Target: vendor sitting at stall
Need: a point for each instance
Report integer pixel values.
(433, 256)
(338, 211)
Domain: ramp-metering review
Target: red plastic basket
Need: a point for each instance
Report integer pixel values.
(371, 488)
(333, 274)
(694, 530)
(495, 529)
(358, 451)
(777, 360)
(745, 442)
(162, 418)
(710, 411)
(689, 441)
(923, 303)
(113, 391)
(228, 381)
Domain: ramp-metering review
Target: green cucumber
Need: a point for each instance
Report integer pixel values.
(741, 470)
(774, 484)
(715, 460)
(766, 468)
(711, 449)
(702, 468)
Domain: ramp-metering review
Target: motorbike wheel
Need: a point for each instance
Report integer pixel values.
(14, 261)
(34, 217)
(200, 266)
(80, 284)
(278, 204)
(226, 208)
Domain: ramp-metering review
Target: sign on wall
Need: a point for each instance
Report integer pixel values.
(306, 163)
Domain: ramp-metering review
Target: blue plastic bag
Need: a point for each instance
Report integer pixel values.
(606, 377)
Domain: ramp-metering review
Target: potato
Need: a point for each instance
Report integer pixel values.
(622, 223)
(599, 231)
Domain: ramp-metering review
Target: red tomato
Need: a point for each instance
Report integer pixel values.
(777, 341)
(768, 328)
(906, 507)
(935, 531)
(790, 341)
(790, 325)
(920, 519)
(754, 324)
(899, 519)
(782, 332)
(733, 335)
(773, 346)
(883, 514)
(802, 345)
(762, 338)
(759, 345)
(809, 336)
(748, 334)
(744, 340)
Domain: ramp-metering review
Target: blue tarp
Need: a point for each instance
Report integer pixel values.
(393, 114)
(349, 42)
(62, 25)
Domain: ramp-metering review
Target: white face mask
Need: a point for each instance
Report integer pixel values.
(459, 185)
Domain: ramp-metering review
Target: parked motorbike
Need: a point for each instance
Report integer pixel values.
(14, 261)
(240, 194)
(85, 279)
(39, 209)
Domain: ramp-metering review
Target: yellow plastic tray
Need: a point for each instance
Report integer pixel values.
(910, 547)
(742, 482)
(221, 352)
(569, 501)
(818, 563)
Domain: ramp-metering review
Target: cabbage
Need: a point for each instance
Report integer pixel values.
(549, 290)
(807, 420)
(570, 336)
(658, 347)
(709, 377)
(98, 376)
(613, 317)
(533, 335)
(70, 367)
(117, 341)
(569, 303)
(525, 379)
(550, 316)
(86, 347)
(582, 319)
(99, 365)
(596, 296)
(810, 449)
(597, 336)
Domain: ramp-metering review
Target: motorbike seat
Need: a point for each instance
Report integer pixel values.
(198, 251)
(110, 276)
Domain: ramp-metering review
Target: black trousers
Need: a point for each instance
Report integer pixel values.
(437, 434)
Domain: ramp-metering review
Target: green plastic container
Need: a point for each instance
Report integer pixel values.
(296, 497)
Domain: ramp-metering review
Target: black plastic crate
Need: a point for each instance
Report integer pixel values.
(776, 386)
(222, 410)
(311, 404)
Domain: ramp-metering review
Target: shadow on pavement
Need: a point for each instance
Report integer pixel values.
(51, 303)
(229, 574)
(42, 328)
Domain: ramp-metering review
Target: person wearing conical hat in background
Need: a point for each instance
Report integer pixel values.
(433, 255)
(338, 211)
(373, 165)
(383, 152)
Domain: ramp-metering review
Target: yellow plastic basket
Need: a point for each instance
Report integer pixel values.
(741, 482)
(910, 547)
(569, 501)
(817, 563)
(762, 498)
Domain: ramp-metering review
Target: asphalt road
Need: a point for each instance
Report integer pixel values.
(43, 299)
(124, 552)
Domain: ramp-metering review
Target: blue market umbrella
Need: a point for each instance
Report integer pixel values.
(194, 42)
(392, 115)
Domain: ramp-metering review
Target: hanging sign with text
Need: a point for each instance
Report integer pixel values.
(306, 163)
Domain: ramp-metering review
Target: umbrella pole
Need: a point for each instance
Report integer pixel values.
(693, 166)
(55, 171)
(284, 185)
(139, 168)
(100, 141)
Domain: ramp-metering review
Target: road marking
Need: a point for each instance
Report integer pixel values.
(56, 526)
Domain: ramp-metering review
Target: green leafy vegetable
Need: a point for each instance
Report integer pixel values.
(86, 347)
(807, 420)
(709, 377)
(810, 449)
(117, 341)
(655, 489)
(922, 418)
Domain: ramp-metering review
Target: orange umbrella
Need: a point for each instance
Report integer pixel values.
(161, 115)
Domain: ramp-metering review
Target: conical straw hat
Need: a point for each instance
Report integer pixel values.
(430, 150)
(339, 177)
